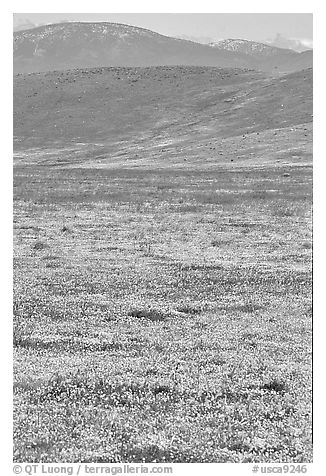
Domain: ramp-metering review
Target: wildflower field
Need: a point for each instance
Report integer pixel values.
(163, 315)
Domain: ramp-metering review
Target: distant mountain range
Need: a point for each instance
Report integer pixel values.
(85, 45)
(269, 57)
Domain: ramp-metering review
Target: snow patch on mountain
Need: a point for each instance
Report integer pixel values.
(99, 31)
(247, 47)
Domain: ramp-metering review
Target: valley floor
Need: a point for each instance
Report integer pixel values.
(163, 315)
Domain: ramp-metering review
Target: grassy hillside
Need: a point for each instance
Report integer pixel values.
(154, 106)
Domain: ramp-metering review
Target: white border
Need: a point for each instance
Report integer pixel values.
(167, 6)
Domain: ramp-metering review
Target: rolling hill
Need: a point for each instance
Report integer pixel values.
(137, 112)
(85, 45)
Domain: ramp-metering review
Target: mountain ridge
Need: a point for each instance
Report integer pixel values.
(250, 47)
(72, 45)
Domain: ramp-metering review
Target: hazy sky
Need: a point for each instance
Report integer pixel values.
(251, 26)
